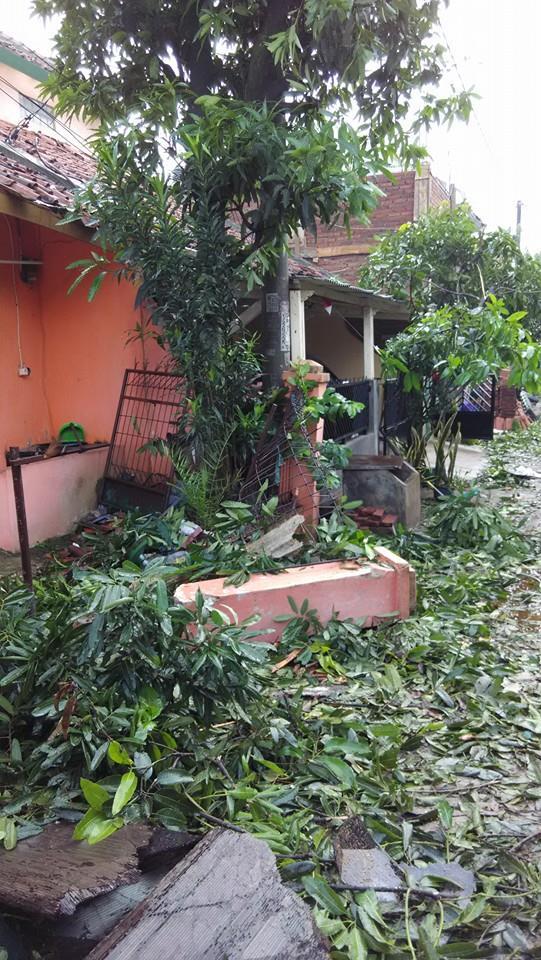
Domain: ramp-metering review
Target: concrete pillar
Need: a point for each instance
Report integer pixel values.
(368, 343)
(374, 416)
(295, 475)
(296, 319)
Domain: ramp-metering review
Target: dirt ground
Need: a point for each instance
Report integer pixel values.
(42, 553)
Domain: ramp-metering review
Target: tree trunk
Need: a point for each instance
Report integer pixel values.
(275, 342)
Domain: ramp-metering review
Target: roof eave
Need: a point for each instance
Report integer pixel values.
(17, 62)
(347, 293)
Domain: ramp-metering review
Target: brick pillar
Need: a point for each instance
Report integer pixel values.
(295, 476)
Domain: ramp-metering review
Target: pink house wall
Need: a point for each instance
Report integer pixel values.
(76, 351)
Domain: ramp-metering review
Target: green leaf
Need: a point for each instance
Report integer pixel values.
(445, 813)
(118, 754)
(333, 769)
(101, 829)
(358, 748)
(10, 834)
(6, 705)
(324, 895)
(94, 794)
(96, 284)
(357, 946)
(90, 817)
(99, 755)
(169, 777)
(124, 792)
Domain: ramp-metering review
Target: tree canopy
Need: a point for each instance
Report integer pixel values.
(378, 57)
(262, 116)
(447, 258)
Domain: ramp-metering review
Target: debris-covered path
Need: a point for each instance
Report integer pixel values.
(395, 773)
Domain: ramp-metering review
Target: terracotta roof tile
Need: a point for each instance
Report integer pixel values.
(29, 184)
(22, 181)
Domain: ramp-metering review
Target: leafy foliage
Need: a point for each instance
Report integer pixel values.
(425, 729)
(460, 519)
(440, 354)
(373, 56)
(456, 346)
(445, 258)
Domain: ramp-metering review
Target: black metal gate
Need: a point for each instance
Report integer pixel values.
(136, 475)
(344, 427)
(476, 412)
(397, 418)
(475, 407)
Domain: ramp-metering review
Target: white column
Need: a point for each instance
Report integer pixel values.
(368, 343)
(296, 320)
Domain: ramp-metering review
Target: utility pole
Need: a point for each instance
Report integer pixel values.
(452, 197)
(519, 221)
(276, 339)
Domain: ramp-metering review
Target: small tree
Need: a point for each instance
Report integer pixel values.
(266, 88)
(455, 347)
(446, 258)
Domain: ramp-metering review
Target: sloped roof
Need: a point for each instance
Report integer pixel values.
(47, 161)
(42, 170)
(21, 51)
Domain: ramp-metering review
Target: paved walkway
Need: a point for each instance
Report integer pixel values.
(470, 461)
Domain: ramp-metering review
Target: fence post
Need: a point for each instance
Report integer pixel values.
(374, 415)
(296, 477)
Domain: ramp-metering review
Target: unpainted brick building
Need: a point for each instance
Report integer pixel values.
(342, 253)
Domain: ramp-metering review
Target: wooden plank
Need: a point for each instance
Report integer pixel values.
(50, 874)
(279, 541)
(224, 900)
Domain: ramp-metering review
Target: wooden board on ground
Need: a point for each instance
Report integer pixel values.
(50, 874)
(225, 899)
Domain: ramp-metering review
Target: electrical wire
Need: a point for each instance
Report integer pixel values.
(53, 123)
(15, 293)
(461, 81)
(22, 124)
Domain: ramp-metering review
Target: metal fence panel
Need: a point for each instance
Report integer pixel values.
(149, 408)
(344, 428)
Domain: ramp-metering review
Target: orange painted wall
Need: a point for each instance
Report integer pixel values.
(24, 415)
(85, 345)
(76, 350)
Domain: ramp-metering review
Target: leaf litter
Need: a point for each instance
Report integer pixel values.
(428, 730)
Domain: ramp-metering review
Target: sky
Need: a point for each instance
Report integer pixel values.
(494, 161)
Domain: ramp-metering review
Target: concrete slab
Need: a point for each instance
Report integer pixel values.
(368, 591)
(225, 899)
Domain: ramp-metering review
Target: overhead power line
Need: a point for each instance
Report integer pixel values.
(55, 124)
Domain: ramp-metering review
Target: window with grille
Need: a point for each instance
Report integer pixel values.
(41, 116)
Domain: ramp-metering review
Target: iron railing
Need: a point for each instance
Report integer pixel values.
(137, 473)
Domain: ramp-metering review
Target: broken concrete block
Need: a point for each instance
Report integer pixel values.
(361, 863)
(225, 899)
(361, 590)
(279, 542)
(458, 877)
(76, 935)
